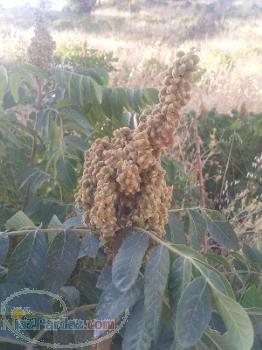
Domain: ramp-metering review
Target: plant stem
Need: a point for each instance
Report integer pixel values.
(199, 166)
(47, 230)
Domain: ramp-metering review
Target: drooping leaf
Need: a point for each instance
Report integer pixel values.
(118, 102)
(89, 245)
(80, 88)
(4, 246)
(75, 121)
(27, 261)
(240, 333)
(222, 232)
(198, 228)
(193, 312)
(175, 229)
(156, 277)
(135, 336)
(181, 274)
(114, 303)
(61, 260)
(19, 221)
(127, 262)
(36, 177)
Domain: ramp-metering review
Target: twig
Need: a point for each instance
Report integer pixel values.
(227, 166)
(47, 230)
(199, 165)
(183, 209)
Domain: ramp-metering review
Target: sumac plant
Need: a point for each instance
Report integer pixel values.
(173, 279)
(48, 117)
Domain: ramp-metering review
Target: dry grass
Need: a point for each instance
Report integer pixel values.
(145, 43)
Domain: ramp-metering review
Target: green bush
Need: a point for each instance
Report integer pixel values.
(82, 6)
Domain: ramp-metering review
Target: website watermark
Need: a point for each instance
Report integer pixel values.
(20, 319)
